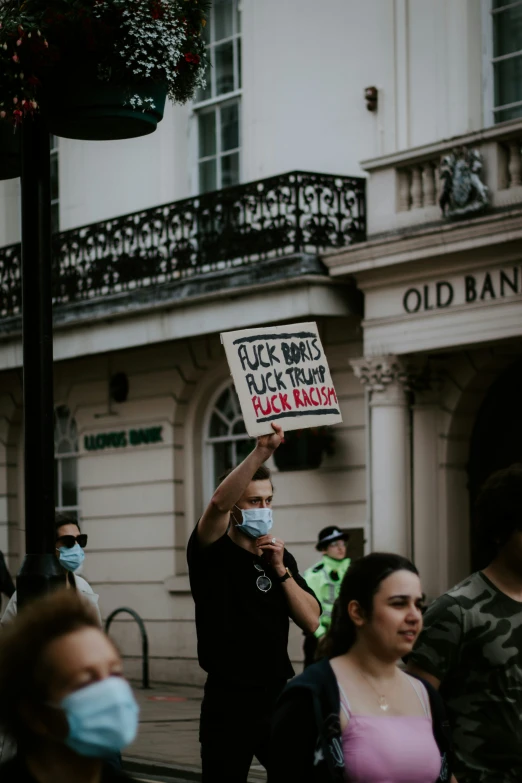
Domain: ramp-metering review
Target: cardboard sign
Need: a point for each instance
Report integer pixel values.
(281, 375)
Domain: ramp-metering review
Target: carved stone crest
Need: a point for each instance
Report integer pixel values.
(463, 191)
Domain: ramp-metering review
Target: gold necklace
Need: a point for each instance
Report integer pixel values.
(381, 698)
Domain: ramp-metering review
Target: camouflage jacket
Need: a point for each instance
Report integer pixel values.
(472, 642)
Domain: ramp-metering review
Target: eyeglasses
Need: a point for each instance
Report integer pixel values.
(263, 582)
(69, 541)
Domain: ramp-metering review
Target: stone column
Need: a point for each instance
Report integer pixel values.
(427, 541)
(386, 379)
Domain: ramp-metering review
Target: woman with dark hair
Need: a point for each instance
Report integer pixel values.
(356, 715)
(70, 546)
(63, 699)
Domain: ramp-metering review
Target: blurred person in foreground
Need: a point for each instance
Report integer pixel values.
(325, 578)
(70, 546)
(63, 698)
(471, 644)
(355, 715)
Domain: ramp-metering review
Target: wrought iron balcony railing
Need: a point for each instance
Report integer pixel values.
(299, 212)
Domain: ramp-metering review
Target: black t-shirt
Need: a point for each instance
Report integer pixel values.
(242, 631)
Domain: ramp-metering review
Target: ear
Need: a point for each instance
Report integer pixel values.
(356, 614)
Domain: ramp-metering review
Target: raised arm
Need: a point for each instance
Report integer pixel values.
(216, 517)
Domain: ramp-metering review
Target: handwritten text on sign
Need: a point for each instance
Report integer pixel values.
(281, 374)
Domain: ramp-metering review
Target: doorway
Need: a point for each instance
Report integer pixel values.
(496, 442)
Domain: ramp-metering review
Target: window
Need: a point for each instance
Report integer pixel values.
(226, 437)
(55, 187)
(65, 461)
(218, 105)
(507, 59)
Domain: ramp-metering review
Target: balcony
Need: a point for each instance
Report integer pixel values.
(404, 188)
(180, 249)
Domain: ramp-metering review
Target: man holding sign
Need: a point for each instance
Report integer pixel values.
(245, 585)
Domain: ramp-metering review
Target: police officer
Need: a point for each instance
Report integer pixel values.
(325, 578)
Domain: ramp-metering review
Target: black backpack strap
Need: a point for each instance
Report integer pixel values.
(441, 730)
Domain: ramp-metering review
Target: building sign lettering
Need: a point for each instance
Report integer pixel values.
(281, 374)
(122, 439)
(483, 287)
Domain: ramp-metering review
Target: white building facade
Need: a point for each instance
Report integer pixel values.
(420, 314)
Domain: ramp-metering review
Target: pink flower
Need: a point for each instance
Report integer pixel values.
(16, 58)
(2, 114)
(15, 100)
(19, 42)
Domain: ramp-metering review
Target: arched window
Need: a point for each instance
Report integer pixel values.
(226, 437)
(65, 461)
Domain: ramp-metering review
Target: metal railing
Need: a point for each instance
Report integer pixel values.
(144, 641)
(292, 213)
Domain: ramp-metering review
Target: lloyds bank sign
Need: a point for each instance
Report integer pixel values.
(123, 439)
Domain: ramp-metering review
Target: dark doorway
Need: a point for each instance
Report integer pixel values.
(496, 441)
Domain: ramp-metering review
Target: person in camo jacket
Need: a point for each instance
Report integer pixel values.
(471, 645)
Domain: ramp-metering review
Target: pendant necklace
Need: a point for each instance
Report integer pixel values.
(381, 698)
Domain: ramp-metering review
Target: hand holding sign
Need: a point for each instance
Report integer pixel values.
(281, 374)
(271, 442)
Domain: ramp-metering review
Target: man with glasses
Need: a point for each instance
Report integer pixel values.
(70, 545)
(246, 586)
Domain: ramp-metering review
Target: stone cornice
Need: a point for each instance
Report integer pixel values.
(503, 131)
(290, 272)
(434, 242)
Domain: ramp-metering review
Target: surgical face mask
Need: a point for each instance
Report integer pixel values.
(102, 718)
(257, 522)
(72, 558)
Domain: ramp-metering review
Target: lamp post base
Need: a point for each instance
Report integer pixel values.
(39, 574)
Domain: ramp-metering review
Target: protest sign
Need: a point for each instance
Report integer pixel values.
(281, 375)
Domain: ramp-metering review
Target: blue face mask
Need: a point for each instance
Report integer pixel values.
(102, 718)
(256, 522)
(72, 558)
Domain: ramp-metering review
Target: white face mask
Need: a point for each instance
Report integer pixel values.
(257, 522)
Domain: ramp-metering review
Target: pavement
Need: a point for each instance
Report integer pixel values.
(167, 745)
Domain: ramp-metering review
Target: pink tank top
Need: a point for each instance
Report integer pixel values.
(391, 748)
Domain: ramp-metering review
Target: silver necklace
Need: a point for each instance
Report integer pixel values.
(381, 698)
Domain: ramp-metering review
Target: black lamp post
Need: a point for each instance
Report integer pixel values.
(40, 571)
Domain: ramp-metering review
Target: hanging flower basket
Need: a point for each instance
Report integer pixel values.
(304, 449)
(98, 111)
(9, 151)
(103, 69)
